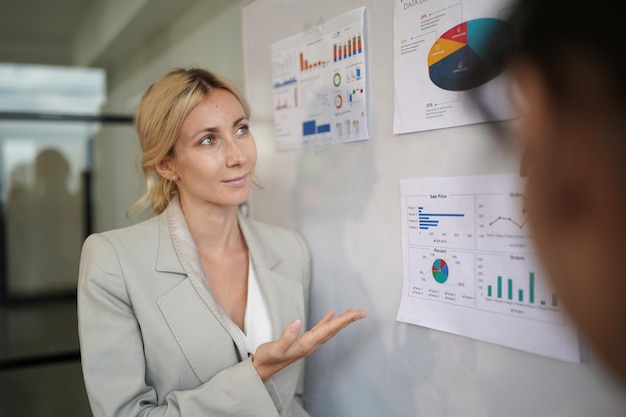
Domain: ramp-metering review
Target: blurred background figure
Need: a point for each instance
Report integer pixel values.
(45, 225)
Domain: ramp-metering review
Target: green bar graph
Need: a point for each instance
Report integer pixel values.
(520, 295)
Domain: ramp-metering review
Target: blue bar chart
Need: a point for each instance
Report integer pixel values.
(312, 127)
(441, 220)
(431, 220)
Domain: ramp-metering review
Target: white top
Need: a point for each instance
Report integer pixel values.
(257, 320)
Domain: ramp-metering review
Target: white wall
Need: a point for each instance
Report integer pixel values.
(345, 199)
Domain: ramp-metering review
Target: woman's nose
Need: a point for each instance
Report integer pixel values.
(235, 155)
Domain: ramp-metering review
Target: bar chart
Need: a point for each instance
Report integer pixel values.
(285, 94)
(513, 284)
(353, 73)
(306, 64)
(431, 220)
(348, 47)
(313, 127)
(445, 220)
(355, 95)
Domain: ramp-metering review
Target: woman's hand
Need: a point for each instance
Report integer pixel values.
(271, 357)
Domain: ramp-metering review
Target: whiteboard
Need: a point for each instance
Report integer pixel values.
(345, 200)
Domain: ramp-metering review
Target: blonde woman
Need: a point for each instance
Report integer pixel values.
(197, 311)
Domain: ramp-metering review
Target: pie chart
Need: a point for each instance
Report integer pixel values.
(440, 271)
(466, 56)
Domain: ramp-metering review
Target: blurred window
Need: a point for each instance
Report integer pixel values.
(48, 116)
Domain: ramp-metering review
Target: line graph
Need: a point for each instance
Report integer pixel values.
(501, 223)
(509, 219)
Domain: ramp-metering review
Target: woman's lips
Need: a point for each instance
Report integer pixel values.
(237, 181)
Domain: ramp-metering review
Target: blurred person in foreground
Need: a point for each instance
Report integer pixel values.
(198, 311)
(568, 72)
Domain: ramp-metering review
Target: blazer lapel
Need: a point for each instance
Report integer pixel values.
(284, 298)
(197, 321)
(282, 294)
(206, 344)
(167, 259)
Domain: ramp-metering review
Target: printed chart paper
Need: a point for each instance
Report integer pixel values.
(470, 269)
(441, 64)
(320, 84)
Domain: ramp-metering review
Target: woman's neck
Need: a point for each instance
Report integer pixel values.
(215, 229)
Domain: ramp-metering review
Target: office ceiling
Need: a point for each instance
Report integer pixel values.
(40, 31)
(100, 33)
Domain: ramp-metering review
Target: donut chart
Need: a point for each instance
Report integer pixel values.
(463, 57)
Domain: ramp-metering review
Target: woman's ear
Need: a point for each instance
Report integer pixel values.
(165, 168)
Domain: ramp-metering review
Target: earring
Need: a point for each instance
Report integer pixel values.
(174, 177)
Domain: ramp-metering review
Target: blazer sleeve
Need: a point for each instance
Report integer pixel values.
(113, 359)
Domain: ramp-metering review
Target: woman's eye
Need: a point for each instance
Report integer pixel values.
(208, 140)
(242, 130)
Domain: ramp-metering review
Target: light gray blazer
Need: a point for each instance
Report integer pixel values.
(154, 341)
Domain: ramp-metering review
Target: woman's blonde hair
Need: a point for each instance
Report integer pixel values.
(161, 112)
